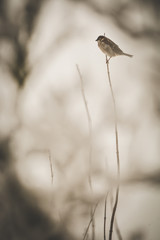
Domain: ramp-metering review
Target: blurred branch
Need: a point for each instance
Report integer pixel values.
(31, 12)
(18, 34)
(151, 178)
(121, 13)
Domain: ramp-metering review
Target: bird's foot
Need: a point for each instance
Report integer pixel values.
(107, 60)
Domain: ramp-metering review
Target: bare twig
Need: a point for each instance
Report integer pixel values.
(92, 216)
(117, 153)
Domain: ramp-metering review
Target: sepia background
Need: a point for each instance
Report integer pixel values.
(44, 133)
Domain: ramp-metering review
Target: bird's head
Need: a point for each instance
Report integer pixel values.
(100, 38)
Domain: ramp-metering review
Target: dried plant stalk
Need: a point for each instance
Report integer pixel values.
(90, 142)
(117, 153)
(105, 206)
(118, 232)
(89, 124)
(51, 165)
(92, 216)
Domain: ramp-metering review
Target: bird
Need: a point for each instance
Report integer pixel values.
(109, 48)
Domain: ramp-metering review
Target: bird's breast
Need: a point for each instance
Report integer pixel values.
(106, 49)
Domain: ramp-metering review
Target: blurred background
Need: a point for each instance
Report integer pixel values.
(44, 135)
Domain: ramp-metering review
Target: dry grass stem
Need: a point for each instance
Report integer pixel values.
(51, 165)
(90, 141)
(105, 205)
(117, 153)
(52, 175)
(92, 216)
(89, 124)
(93, 227)
(118, 232)
(115, 120)
(113, 213)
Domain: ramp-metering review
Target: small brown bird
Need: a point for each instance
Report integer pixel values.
(109, 48)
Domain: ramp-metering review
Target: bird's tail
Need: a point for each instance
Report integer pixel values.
(126, 54)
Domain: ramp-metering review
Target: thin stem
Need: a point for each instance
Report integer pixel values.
(115, 120)
(93, 228)
(52, 174)
(51, 166)
(105, 204)
(118, 230)
(119, 235)
(89, 124)
(90, 142)
(117, 153)
(113, 213)
(92, 216)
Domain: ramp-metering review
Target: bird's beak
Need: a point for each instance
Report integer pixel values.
(96, 39)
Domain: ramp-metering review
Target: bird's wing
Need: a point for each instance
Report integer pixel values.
(113, 46)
